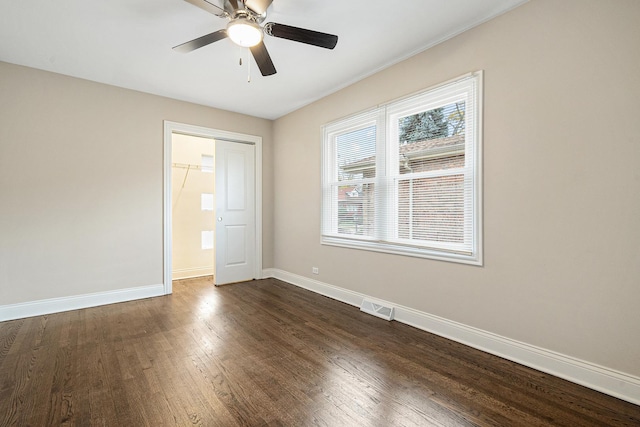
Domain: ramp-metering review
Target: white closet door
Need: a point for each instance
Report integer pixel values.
(235, 212)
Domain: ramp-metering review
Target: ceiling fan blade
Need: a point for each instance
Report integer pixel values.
(230, 6)
(208, 6)
(263, 59)
(201, 41)
(258, 6)
(315, 38)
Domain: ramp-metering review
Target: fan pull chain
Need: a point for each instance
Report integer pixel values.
(248, 66)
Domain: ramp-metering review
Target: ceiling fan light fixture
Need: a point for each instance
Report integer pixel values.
(244, 32)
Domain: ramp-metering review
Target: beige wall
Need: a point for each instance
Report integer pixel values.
(188, 184)
(81, 175)
(561, 183)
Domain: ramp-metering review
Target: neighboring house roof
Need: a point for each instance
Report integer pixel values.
(351, 193)
(437, 147)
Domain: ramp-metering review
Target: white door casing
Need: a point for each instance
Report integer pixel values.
(254, 242)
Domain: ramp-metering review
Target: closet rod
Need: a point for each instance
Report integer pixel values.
(185, 166)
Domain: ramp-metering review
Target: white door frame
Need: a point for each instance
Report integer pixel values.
(173, 127)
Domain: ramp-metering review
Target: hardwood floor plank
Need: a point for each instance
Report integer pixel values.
(266, 353)
(8, 336)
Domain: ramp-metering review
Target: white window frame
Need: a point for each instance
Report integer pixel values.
(385, 117)
(332, 184)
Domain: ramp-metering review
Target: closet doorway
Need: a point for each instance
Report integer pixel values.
(212, 200)
(192, 206)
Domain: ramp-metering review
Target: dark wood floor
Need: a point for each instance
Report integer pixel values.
(268, 353)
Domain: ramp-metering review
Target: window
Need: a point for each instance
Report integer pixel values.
(405, 177)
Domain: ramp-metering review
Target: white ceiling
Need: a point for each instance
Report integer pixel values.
(128, 43)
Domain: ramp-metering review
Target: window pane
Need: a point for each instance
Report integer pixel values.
(431, 209)
(356, 152)
(356, 210)
(432, 139)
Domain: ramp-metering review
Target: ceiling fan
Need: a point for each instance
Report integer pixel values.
(243, 28)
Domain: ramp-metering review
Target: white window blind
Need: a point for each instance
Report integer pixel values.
(405, 177)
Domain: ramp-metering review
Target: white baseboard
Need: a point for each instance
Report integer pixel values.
(56, 305)
(602, 379)
(189, 273)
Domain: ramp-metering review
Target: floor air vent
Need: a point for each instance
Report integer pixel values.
(376, 309)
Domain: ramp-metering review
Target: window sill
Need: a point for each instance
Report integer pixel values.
(390, 248)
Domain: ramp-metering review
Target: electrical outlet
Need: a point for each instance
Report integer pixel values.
(315, 270)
